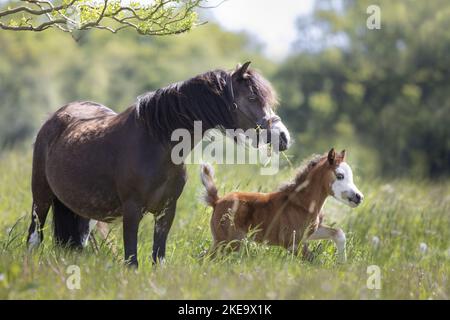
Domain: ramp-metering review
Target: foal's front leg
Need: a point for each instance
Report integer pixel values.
(337, 235)
(163, 223)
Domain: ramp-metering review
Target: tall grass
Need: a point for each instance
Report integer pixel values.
(387, 231)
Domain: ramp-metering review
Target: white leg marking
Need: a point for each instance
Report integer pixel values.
(35, 238)
(340, 240)
(338, 237)
(92, 224)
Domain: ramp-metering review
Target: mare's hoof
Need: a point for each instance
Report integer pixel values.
(132, 264)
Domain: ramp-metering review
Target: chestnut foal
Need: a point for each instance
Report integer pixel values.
(287, 217)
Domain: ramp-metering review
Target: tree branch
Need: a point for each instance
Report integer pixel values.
(161, 17)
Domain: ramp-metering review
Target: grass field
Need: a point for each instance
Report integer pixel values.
(401, 214)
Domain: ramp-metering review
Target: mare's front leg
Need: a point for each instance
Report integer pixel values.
(132, 215)
(337, 235)
(163, 223)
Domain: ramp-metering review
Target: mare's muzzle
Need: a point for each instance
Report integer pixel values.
(277, 134)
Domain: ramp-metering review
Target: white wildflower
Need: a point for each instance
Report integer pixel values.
(388, 188)
(375, 242)
(423, 247)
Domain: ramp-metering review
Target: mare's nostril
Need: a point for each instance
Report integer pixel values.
(358, 198)
(283, 140)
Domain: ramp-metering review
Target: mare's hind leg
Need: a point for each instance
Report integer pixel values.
(35, 231)
(42, 199)
(39, 213)
(42, 195)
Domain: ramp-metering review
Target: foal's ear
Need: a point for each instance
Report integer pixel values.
(331, 156)
(241, 70)
(343, 154)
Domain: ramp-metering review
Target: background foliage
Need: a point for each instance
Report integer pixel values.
(385, 89)
(402, 227)
(383, 92)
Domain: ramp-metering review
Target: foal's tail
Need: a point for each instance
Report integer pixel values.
(207, 177)
(69, 228)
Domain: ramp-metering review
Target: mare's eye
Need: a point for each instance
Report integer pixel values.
(252, 98)
(339, 176)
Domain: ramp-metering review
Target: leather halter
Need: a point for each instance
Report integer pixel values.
(262, 124)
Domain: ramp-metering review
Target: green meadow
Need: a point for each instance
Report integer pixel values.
(402, 228)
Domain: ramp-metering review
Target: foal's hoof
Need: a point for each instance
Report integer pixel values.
(307, 254)
(341, 259)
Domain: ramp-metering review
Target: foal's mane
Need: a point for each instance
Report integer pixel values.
(302, 173)
(206, 97)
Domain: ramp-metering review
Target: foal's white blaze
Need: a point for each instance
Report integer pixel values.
(345, 190)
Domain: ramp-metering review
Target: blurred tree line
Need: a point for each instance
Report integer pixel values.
(40, 72)
(386, 91)
(383, 94)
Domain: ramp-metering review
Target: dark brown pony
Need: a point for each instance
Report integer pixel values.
(91, 164)
(287, 217)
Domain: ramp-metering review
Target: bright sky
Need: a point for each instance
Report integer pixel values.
(272, 21)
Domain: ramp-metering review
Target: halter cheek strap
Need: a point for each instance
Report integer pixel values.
(235, 107)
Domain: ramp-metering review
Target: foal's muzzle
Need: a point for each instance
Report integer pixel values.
(356, 198)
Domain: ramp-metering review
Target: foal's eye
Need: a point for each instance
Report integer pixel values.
(252, 98)
(339, 176)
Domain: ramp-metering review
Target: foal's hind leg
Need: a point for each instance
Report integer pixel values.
(104, 232)
(307, 254)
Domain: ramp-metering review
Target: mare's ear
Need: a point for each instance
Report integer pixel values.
(241, 70)
(343, 154)
(331, 156)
